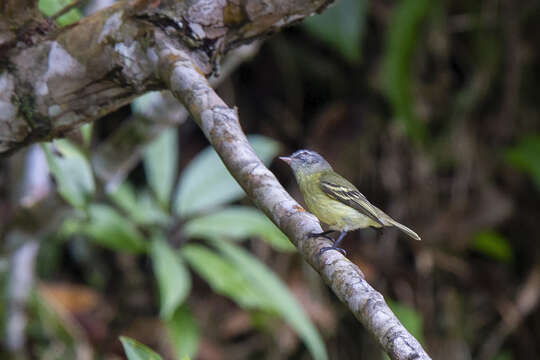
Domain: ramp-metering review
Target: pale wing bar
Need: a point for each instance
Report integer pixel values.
(352, 198)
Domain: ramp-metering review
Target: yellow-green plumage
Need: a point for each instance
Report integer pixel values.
(334, 200)
(334, 213)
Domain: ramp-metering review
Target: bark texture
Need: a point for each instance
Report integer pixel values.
(53, 80)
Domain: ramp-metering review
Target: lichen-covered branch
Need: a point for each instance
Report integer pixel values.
(52, 80)
(121, 151)
(221, 126)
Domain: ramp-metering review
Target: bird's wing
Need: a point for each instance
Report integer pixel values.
(338, 188)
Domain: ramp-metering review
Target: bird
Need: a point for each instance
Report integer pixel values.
(334, 200)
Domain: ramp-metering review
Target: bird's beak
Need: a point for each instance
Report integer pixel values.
(286, 159)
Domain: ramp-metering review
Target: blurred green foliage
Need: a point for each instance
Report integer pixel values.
(205, 183)
(51, 324)
(72, 172)
(224, 277)
(140, 206)
(409, 318)
(204, 190)
(172, 276)
(183, 332)
(505, 355)
(402, 36)
(493, 245)
(342, 27)
(270, 286)
(137, 351)
(107, 227)
(161, 174)
(237, 223)
(51, 7)
(525, 156)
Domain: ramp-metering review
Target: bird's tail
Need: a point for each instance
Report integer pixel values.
(402, 227)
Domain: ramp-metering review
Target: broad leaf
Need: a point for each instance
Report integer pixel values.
(526, 157)
(136, 351)
(110, 229)
(224, 277)
(271, 287)
(173, 278)
(238, 223)
(504, 355)
(402, 37)
(341, 26)
(141, 208)
(71, 171)
(86, 133)
(409, 318)
(205, 183)
(160, 160)
(492, 244)
(51, 7)
(183, 333)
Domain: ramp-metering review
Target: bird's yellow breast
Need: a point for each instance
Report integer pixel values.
(335, 214)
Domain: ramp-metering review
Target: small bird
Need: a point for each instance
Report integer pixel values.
(334, 200)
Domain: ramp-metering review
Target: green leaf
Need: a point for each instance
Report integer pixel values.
(136, 351)
(206, 183)
(265, 148)
(125, 197)
(141, 207)
(71, 171)
(526, 157)
(492, 244)
(224, 277)
(237, 223)
(402, 36)
(271, 287)
(505, 355)
(149, 212)
(110, 229)
(409, 318)
(51, 7)
(342, 27)
(183, 333)
(173, 278)
(86, 133)
(160, 160)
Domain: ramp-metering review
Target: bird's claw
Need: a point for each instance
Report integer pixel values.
(323, 235)
(325, 249)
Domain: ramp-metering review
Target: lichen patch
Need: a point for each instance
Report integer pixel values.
(111, 26)
(7, 89)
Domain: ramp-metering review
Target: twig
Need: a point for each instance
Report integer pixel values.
(66, 8)
(221, 126)
(21, 282)
(513, 314)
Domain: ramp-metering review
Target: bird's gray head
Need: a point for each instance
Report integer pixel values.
(306, 162)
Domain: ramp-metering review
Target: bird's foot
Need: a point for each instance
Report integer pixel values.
(323, 235)
(325, 249)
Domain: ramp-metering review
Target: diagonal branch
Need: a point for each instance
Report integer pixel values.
(221, 126)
